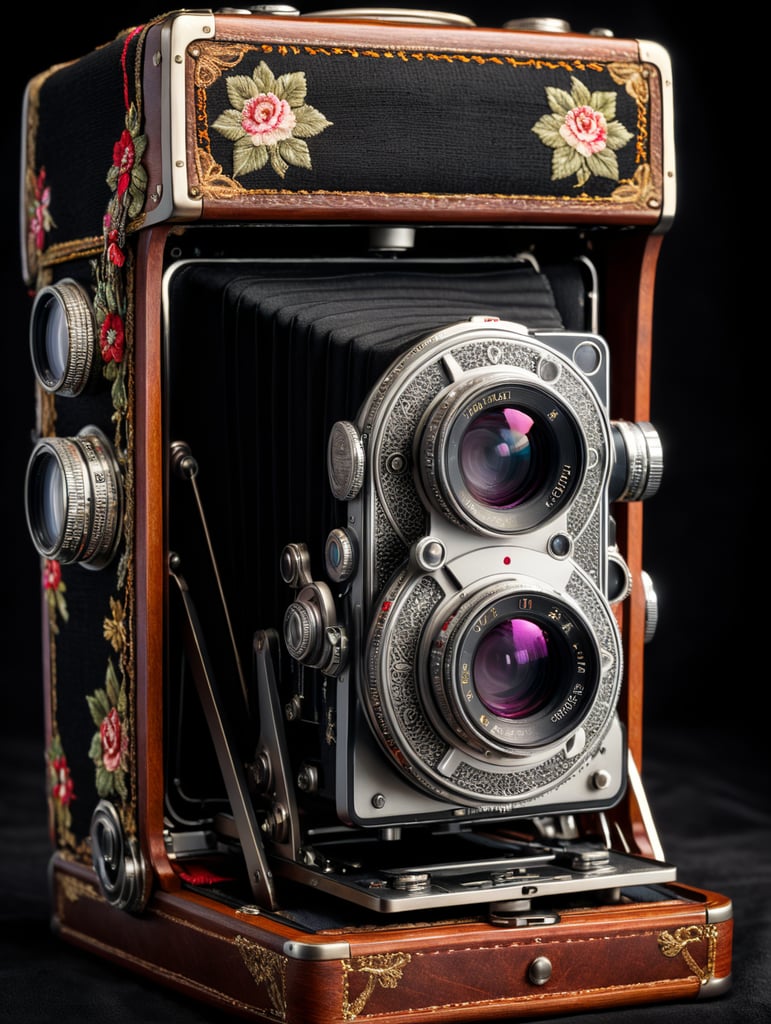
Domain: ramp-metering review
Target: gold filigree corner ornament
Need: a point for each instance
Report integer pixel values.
(677, 945)
(212, 59)
(639, 190)
(213, 183)
(266, 968)
(384, 969)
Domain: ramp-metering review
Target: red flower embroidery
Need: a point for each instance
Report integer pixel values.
(123, 160)
(63, 788)
(112, 338)
(113, 741)
(52, 574)
(114, 252)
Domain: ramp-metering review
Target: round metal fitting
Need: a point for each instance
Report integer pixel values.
(118, 861)
(539, 971)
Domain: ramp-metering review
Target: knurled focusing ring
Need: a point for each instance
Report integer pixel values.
(62, 338)
(74, 498)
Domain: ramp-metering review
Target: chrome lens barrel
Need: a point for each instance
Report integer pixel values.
(74, 498)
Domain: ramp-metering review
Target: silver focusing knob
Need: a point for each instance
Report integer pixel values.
(345, 460)
(537, 25)
(302, 630)
(651, 607)
(639, 461)
(339, 556)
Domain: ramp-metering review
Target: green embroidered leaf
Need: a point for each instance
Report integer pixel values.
(309, 122)
(61, 605)
(264, 79)
(561, 102)
(581, 95)
(565, 161)
(248, 157)
(104, 781)
(603, 164)
(118, 390)
(111, 685)
(99, 706)
(617, 136)
(140, 145)
(278, 164)
(229, 123)
(547, 129)
(292, 88)
(240, 89)
(604, 103)
(119, 782)
(95, 748)
(295, 152)
(137, 190)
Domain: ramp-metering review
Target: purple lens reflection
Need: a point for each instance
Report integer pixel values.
(513, 674)
(496, 457)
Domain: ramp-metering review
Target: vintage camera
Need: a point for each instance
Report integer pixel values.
(339, 481)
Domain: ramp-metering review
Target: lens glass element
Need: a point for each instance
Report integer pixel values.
(513, 673)
(498, 459)
(51, 501)
(57, 341)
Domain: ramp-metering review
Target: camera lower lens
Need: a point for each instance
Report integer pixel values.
(498, 455)
(514, 670)
(74, 498)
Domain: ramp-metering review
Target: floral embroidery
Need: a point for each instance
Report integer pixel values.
(128, 180)
(55, 588)
(114, 629)
(583, 132)
(40, 220)
(269, 121)
(110, 743)
(112, 338)
(61, 787)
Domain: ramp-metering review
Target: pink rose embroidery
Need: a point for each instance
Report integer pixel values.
(113, 742)
(267, 119)
(585, 130)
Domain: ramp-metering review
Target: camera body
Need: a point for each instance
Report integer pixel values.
(343, 446)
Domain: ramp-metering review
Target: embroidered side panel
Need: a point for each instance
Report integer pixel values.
(278, 119)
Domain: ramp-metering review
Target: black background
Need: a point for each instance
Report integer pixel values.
(705, 758)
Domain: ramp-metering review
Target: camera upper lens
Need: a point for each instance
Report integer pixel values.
(497, 459)
(63, 338)
(499, 455)
(74, 498)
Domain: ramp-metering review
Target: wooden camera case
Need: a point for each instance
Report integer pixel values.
(387, 123)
